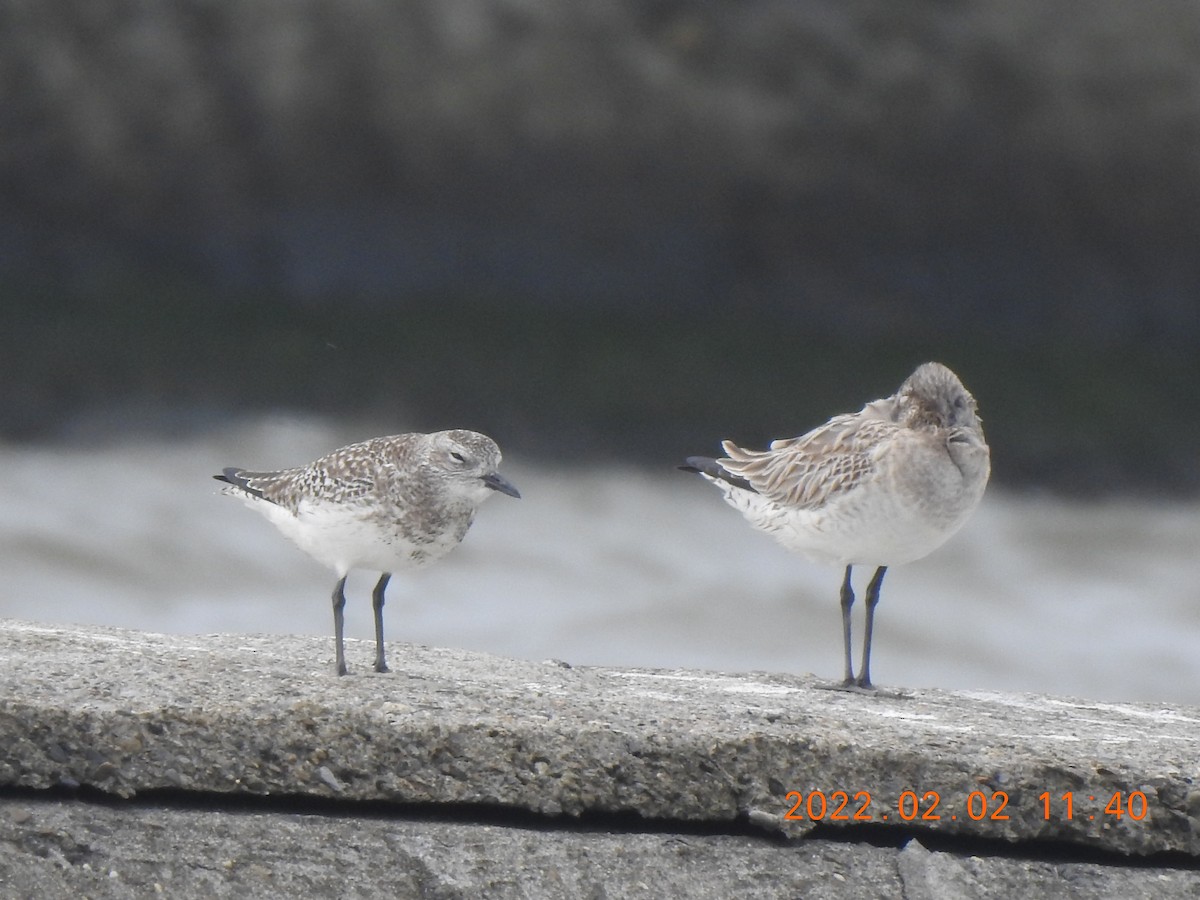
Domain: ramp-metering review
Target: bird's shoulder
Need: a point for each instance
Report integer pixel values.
(365, 468)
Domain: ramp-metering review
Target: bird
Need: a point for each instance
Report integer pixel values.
(881, 487)
(386, 504)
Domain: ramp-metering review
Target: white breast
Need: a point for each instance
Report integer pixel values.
(345, 537)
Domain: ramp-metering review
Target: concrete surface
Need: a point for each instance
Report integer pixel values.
(239, 765)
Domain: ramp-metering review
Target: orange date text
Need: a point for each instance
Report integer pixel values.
(929, 806)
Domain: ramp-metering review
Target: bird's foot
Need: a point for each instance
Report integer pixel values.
(868, 689)
(849, 685)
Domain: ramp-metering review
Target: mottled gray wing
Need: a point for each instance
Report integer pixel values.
(279, 488)
(806, 472)
(288, 487)
(352, 473)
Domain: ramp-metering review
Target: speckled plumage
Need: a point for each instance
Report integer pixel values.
(386, 504)
(883, 486)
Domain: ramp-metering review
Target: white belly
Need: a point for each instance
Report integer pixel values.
(350, 537)
(863, 527)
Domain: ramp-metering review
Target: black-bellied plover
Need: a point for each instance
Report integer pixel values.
(387, 504)
(883, 486)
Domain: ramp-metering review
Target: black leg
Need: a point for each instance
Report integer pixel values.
(339, 621)
(847, 602)
(864, 670)
(377, 605)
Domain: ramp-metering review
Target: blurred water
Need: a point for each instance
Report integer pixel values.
(610, 566)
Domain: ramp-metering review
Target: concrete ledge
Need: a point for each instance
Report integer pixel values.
(131, 714)
(58, 848)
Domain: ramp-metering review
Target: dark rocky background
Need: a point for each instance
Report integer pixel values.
(608, 227)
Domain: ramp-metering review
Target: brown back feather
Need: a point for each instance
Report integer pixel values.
(807, 471)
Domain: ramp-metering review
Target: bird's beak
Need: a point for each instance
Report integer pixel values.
(498, 482)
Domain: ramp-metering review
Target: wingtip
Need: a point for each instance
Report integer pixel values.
(237, 477)
(711, 468)
(701, 465)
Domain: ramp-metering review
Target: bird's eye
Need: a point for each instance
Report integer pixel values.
(458, 456)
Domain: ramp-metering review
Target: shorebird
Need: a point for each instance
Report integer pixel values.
(387, 504)
(884, 486)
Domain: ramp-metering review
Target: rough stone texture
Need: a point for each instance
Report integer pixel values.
(193, 732)
(57, 848)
